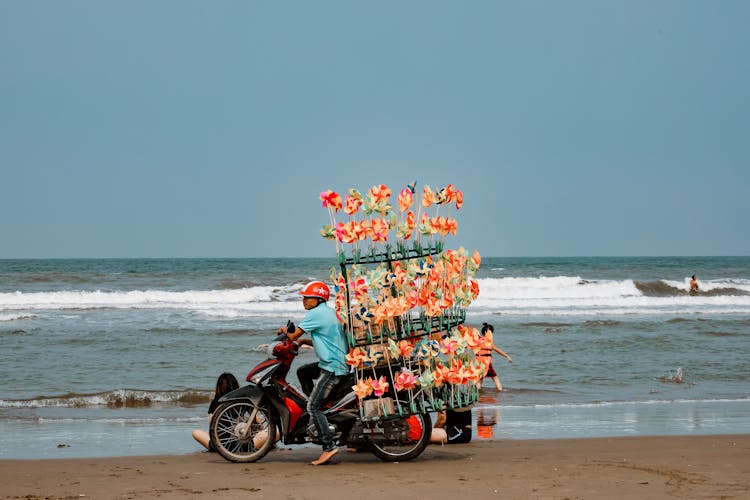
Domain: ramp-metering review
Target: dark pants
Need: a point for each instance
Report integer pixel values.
(323, 387)
(306, 374)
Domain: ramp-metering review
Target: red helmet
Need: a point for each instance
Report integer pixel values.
(316, 289)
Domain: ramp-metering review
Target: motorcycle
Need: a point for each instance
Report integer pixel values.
(244, 426)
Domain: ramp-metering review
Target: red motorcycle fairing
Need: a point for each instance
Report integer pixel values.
(261, 366)
(294, 411)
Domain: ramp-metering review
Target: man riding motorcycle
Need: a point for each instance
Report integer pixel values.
(331, 347)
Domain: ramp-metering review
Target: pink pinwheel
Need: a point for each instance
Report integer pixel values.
(331, 199)
(356, 357)
(380, 386)
(405, 199)
(363, 388)
(404, 380)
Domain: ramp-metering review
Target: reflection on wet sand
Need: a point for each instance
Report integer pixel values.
(488, 415)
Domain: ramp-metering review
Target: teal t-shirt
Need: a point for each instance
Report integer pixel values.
(328, 338)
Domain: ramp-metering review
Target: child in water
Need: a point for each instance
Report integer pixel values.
(485, 355)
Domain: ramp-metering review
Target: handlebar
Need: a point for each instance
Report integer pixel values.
(290, 328)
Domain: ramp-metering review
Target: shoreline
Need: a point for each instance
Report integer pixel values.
(685, 466)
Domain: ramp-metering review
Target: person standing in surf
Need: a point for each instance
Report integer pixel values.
(693, 285)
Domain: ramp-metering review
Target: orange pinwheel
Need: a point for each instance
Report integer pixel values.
(380, 193)
(428, 197)
(459, 199)
(363, 388)
(352, 204)
(405, 199)
(356, 357)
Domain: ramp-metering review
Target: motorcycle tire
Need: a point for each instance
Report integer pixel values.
(242, 431)
(409, 449)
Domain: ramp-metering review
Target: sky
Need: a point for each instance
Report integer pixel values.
(208, 129)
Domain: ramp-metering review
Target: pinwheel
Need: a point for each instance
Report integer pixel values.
(475, 372)
(380, 228)
(358, 288)
(356, 357)
(459, 197)
(380, 386)
(331, 199)
(424, 227)
(440, 374)
(405, 199)
(405, 348)
(393, 348)
(428, 197)
(426, 379)
(375, 354)
(345, 232)
(476, 260)
(449, 346)
(352, 204)
(471, 337)
(328, 232)
(451, 226)
(474, 289)
(405, 380)
(363, 388)
(427, 348)
(397, 274)
(380, 193)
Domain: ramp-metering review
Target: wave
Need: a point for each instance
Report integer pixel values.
(120, 398)
(524, 296)
(16, 317)
(599, 404)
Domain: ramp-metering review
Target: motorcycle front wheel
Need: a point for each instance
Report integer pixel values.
(420, 429)
(242, 431)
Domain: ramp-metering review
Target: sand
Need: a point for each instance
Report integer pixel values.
(637, 467)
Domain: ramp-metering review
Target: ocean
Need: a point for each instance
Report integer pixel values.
(120, 356)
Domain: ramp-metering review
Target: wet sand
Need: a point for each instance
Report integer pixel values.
(631, 467)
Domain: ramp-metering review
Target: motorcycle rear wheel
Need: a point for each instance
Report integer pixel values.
(242, 431)
(412, 447)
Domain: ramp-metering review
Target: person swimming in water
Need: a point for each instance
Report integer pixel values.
(693, 285)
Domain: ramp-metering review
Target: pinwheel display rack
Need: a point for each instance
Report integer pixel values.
(403, 301)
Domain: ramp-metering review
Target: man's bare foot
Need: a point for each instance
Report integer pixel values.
(325, 457)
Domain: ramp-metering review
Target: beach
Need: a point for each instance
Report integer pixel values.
(630, 467)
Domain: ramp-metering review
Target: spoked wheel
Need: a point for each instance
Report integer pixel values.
(410, 445)
(242, 431)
